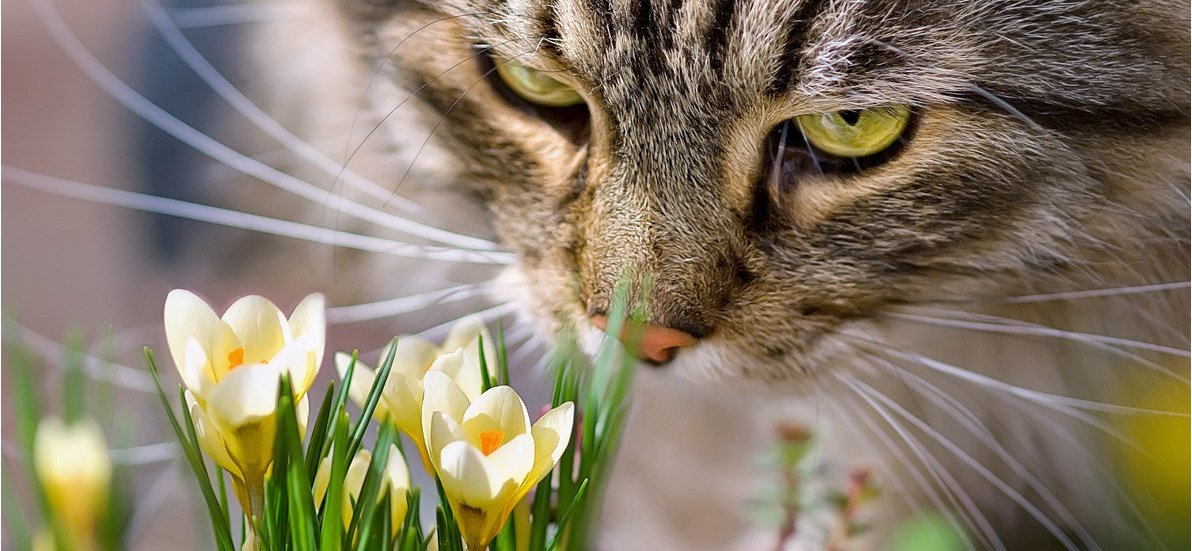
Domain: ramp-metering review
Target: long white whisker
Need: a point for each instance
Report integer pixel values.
(1064, 404)
(242, 220)
(403, 305)
(217, 16)
(973, 518)
(151, 113)
(967, 459)
(1093, 293)
(969, 421)
(237, 100)
(352, 152)
(1018, 327)
(450, 108)
(915, 473)
(97, 369)
(438, 332)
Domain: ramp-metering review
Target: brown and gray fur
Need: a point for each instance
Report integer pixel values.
(1049, 153)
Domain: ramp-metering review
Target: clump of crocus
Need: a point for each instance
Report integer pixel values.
(486, 453)
(232, 366)
(396, 483)
(75, 472)
(401, 400)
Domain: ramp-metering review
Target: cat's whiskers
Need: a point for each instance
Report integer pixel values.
(961, 503)
(1091, 293)
(211, 76)
(354, 151)
(881, 456)
(1010, 326)
(969, 420)
(233, 14)
(95, 368)
(869, 393)
(242, 220)
(376, 71)
(368, 311)
(972, 86)
(155, 115)
(487, 74)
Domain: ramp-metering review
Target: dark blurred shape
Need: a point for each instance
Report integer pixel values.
(165, 165)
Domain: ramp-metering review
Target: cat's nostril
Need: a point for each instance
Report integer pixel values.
(657, 343)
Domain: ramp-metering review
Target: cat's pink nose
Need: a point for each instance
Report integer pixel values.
(658, 344)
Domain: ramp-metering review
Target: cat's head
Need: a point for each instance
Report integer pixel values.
(778, 168)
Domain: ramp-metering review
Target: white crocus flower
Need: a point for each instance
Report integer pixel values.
(75, 471)
(486, 453)
(232, 365)
(401, 400)
(396, 476)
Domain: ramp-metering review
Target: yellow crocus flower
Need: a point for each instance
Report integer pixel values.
(232, 366)
(486, 453)
(401, 400)
(396, 483)
(75, 472)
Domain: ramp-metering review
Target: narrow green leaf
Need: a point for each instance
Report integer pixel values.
(341, 399)
(219, 521)
(302, 517)
(374, 396)
(485, 377)
(411, 538)
(502, 354)
(362, 514)
(576, 505)
(540, 513)
(331, 536)
(318, 432)
(223, 491)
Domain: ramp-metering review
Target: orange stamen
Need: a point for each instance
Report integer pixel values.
(235, 358)
(490, 440)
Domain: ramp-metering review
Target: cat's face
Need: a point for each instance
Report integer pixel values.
(1040, 138)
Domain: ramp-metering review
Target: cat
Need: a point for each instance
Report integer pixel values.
(950, 238)
(1043, 149)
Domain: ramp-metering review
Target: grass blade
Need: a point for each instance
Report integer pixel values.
(318, 432)
(219, 521)
(331, 535)
(374, 396)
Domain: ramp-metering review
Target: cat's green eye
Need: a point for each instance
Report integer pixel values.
(536, 86)
(855, 133)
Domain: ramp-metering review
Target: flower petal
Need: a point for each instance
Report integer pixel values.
(258, 323)
(413, 357)
(362, 381)
(196, 370)
(245, 395)
(465, 373)
(397, 473)
(464, 331)
(465, 476)
(440, 393)
(187, 316)
(308, 325)
(512, 462)
(551, 434)
(442, 430)
(210, 438)
(499, 408)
